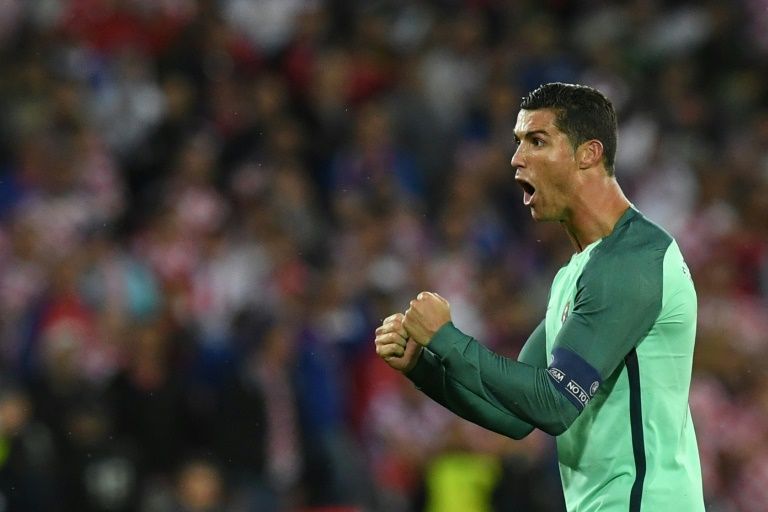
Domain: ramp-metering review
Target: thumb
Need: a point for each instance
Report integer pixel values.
(424, 295)
(439, 297)
(412, 346)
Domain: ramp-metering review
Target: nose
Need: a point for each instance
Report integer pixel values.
(517, 160)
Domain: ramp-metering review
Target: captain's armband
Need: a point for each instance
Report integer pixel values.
(575, 378)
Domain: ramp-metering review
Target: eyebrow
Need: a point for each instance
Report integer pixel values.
(532, 133)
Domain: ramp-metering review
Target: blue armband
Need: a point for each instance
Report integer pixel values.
(575, 378)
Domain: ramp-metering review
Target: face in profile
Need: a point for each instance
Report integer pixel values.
(545, 165)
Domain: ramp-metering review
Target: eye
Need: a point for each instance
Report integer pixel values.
(538, 142)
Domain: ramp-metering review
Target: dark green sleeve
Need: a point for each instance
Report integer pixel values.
(613, 310)
(534, 352)
(429, 376)
(513, 386)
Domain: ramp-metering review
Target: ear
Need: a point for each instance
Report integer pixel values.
(589, 154)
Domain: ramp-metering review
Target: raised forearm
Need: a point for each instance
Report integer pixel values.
(518, 388)
(430, 377)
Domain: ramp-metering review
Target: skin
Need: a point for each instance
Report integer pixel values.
(572, 187)
(394, 346)
(572, 184)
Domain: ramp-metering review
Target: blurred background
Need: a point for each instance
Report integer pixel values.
(207, 206)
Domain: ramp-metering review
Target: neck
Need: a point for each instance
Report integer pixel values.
(596, 211)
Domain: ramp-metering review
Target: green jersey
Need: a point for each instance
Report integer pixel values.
(608, 372)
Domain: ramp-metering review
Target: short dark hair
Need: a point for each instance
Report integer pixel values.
(582, 113)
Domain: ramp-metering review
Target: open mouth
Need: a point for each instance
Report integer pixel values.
(528, 191)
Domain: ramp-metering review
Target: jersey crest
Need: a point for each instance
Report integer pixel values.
(687, 272)
(566, 310)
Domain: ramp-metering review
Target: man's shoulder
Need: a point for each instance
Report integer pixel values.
(631, 256)
(638, 232)
(636, 240)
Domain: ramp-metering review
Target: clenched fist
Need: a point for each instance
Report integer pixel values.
(393, 346)
(427, 314)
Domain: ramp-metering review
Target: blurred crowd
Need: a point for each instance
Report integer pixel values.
(207, 206)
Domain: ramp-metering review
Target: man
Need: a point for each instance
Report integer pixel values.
(608, 369)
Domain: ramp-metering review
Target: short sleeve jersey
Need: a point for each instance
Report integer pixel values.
(633, 447)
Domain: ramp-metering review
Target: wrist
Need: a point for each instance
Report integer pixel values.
(429, 335)
(445, 339)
